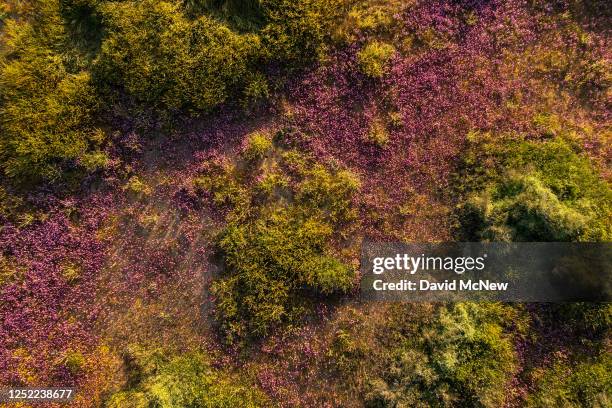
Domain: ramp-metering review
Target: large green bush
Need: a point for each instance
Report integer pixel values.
(47, 101)
(270, 261)
(298, 30)
(192, 56)
(517, 190)
(461, 356)
(577, 385)
(184, 381)
(534, 191)
(166, 60)
(521, 208)
(276, 247)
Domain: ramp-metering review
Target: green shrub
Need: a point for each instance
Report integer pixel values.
(558, 197)
(197, 55)
(136, 186)
(74, 361)
(184, 381)
(168, 61)
(373, 58)
(47, 103)
(276, 245)
(378, 134)
(460, 356)
(586, 384)
(257, 145)
(270, 260)
(371, 17)
(521, 208)
(297, 30)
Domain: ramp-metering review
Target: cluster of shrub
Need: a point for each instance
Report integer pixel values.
(156, 379)
(511, 188)
(537, 191)
(67, 68)
(284, 211)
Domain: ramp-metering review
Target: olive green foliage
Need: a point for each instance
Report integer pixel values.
(521, 208)
(372, 16)
(298, 30)
(257, 145)
(575, 385)
(136, 186)
(74, 361)
(517, 190)
(66, 64)
(378, 134)
(376, 18)
(536, 191)
(196, 55)
(276, 245)
(374, 57)
(166, 60)
(589, 321)
(461, 356)
(184, 381)
(47, 101)
(294, 32)
(244, 15)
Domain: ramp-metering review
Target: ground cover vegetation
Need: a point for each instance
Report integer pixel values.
(185, 186)
(283, 213)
